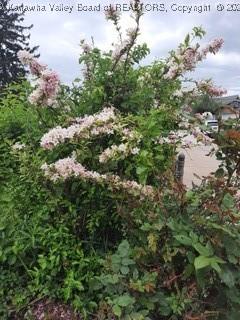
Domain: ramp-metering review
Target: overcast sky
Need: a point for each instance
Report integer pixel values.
(59, 33)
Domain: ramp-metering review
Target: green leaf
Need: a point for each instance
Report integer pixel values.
(228, 201)
(233, 315)
(95, 284)
(111, 279)
(124, 270)
(187, 39)
(215, 266)
(117, 310)
(188, 271)
(227, 277)
(215, 261)
(201, 262)
(146, 227)
(11, 260)
(135, 274)
(125, 300)
(116, 259)
(184, 240)
(203, 250)
(127, 261)
(123, 248)
(191, 256)
(219, 173)
(142, 173)
(189, 195)
(218, 260)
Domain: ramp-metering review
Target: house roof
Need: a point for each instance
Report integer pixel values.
(227, 100)
(231, 101)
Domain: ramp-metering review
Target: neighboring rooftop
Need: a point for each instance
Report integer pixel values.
(229, 100)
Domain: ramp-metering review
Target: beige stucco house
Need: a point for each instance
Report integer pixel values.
(229, 107)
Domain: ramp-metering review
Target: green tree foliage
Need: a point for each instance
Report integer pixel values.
(13, 37)
(205, 103)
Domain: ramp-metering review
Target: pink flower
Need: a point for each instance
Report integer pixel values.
(69, 167)
(28, 59)
(208, 87)
(24, 56)
(131, 32)
(112, 13)
(35, 96)
(85, 127)
(190, 59)
(215, 45)
(36, 68)
(48, 83)
(186, 59)
(85, 46)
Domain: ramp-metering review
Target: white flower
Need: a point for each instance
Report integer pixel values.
(122, 147)
(18, 146)
(178, 94)
(135, 150)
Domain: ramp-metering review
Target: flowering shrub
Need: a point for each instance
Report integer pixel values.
(47, 81)
(93, 219)
(187, 57)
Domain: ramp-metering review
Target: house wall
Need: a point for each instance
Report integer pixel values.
(226, 116)
(228, 113)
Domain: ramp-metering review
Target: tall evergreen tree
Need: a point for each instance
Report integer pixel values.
(13, 37)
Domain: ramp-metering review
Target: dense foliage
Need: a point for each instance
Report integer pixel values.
(94, 224)
(205, 103)
(13, 37)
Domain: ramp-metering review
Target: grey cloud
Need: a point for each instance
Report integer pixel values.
(58, 35)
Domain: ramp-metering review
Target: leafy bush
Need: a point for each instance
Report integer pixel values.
(92, 217)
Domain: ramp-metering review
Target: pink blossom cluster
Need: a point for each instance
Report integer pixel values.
(85, 127)
(123, 150)
(186, 140)
(213, 47)
(104, 122)
(172, 138)
(131, 32)
(190, 58)
(47, 84)
(130, 138)
(181, 61)
(92, 126)
(69, 167)
(130, 135)
(119, 49)
(186, 59)
(27, 58)
(208, 87)
(85, 46)
(112, 13)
